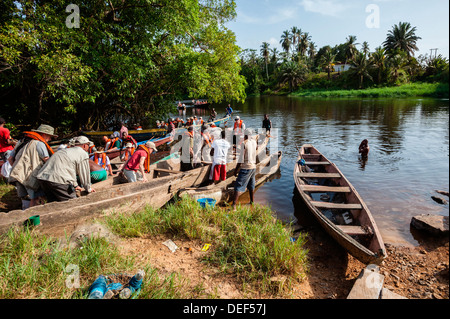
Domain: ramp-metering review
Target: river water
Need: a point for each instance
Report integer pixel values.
(408, 159)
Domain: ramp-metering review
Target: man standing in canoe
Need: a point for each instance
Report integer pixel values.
(219, 150)
(246, 167)
(58, 176)
(187, 150)
(138, 164)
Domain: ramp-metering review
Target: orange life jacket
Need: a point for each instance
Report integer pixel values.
(96, 157)
(38, 137)
(128, 154)
(207, 137)
(90, 149)
(147, 159)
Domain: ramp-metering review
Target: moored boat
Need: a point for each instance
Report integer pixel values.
(138, 135)
(222, 191)
(337, 206)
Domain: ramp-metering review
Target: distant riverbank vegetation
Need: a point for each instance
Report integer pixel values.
(349, 69)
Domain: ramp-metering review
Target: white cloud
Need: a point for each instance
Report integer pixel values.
(273, 42)
(278, 15)
(325, 7)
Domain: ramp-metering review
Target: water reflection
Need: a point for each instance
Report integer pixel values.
(408, 159)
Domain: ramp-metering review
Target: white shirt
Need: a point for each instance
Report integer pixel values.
(220, 147)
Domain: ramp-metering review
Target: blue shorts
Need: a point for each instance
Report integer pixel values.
(245, 180)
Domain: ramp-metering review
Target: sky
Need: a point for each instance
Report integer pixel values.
(330, 22)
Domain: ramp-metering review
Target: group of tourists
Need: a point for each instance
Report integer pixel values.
(41, 174)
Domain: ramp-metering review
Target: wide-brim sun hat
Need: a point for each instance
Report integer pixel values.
(128, 145)
(46, 129)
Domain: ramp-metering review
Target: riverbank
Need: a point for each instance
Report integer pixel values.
(436, 90)
(251, 256)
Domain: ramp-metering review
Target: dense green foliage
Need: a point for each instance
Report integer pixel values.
(127, 59)
(302, 68)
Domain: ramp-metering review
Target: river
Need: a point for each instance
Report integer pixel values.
(408, 159)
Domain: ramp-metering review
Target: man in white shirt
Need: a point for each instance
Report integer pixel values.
(219, 150)
(58, 176)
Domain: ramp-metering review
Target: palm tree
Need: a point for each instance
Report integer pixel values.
(327, 61)
(265, 53)
(295, 36)
(361, 67)
(286, 41)
(293, 73)
(397, 63)
(304, 43)
(312, 50)
(350, 48)
(403, 37)
(365, 47)
(379, 61)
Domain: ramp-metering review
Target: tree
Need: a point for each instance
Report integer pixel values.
(128, 59)
(327, 61)
(379, 61)
(286, 41)
(293, 73)
(361, 67)
(350, 48)
(365, 48)
(402, 37)
(397, 64)
(265, 53)
(304, 43)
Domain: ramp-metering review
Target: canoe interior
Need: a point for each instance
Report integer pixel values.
(337, 205)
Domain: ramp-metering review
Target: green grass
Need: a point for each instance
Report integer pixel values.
(249, 243)
(405, 90)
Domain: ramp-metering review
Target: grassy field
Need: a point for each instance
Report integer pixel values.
(249, 243)
(405, 90)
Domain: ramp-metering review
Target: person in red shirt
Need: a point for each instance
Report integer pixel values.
(138, 164)
(6, 142)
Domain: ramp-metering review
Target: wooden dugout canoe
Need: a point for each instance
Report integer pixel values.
(222, 191)
(331, 198)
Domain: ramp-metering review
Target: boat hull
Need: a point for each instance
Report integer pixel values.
(364, 241)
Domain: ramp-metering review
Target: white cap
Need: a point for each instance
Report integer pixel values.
(81, 140)
(151, 145)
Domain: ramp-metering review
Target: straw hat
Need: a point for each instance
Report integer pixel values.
(128, 145)
(46, 129)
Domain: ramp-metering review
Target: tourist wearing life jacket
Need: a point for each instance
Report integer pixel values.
(115, 142)
(126, 138)
(27, 159)
(207, 140)
(138, 164)
(239, 125)
(102, 159)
